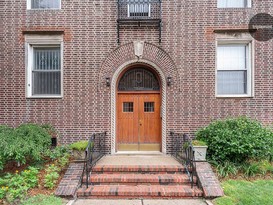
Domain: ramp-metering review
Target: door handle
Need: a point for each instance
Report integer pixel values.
(140, 122)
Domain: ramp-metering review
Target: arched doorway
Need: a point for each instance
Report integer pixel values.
(138, 109)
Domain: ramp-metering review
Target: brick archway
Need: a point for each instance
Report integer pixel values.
(124, 57)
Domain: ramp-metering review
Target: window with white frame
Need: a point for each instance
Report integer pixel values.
(43, 4)
(234, 3)
(234, 69)
(44, 68)
(139, 8)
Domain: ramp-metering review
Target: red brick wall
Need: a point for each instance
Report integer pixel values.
(90, 38)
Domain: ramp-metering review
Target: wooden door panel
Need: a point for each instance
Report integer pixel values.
(150, 131)
(140, 128)
(127, 129)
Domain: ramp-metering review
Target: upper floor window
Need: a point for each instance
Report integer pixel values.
(234, 71)
(44, 66)
(139, 8)
(234, 4)
(44, 4)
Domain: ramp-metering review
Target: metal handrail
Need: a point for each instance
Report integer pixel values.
(94, 151)
(184, 153)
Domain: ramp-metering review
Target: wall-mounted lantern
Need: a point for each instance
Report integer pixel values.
(107, 81)
(169, 81)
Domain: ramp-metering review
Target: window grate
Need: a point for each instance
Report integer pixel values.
(149, 107)
(128, 107)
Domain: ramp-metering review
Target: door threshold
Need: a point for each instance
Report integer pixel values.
(138, 153)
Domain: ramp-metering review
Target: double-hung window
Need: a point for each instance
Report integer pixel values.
(234, 69)
(44, 68)
(44, 4)
(234, 3)
(139, 8)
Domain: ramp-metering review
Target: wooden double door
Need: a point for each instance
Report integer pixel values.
(139, 122)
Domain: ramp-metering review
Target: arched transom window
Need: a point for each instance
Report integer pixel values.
(138, 79)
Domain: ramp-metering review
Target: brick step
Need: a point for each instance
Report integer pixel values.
(140, 191)
(138, 168)
(135, 179)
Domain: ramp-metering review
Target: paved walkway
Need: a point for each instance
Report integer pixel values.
(140, 202)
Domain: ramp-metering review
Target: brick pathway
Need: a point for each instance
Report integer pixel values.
(209, 182)
(71, 181)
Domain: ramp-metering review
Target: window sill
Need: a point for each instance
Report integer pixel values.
(49, 9)
(234, 96)
(44, 97)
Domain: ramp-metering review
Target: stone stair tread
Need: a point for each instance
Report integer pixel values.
(138, 178)
(140, 191)
(138, 168)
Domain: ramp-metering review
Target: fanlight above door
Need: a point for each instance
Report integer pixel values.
(138, 79)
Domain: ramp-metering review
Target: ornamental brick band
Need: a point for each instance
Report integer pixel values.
(208, 181)
(71, 181)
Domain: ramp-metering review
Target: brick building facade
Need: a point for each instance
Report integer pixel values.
(187, 48)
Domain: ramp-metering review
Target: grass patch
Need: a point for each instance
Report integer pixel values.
(43, 200)
(240, 192)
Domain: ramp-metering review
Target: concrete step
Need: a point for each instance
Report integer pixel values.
(137, 179)
(140, 191)
(139, 169)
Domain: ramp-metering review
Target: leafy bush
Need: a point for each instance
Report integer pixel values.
(226, 169)
(28, 141)
(80, 145)
(58, 152)
(15, 186)
(237, 140)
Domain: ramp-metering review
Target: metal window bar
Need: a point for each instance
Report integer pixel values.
(46, 71)
(95, 150)
(139, 9)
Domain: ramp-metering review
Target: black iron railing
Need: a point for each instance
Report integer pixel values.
(95, 151)
(139, 9)
(138, 12)
(184, 153)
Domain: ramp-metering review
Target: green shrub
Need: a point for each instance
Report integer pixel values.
(58, 152)
(28, 141)
(80, 145)
(52, 175)
(237, 140)
(15, 186)
(226, 169)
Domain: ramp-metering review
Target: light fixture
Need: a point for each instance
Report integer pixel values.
(107, 81)
(169, 81)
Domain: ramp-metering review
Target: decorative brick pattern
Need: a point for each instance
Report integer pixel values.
(91, 53)
(71, 181)
(208, 181)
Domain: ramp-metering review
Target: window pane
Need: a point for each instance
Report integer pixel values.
(231, 57)
(128, 107)
(46, 83)
(138, 9)
(47, 59)
(232, 3)
(149, 107)
(231, 82)
(46, 73)
(45, 4)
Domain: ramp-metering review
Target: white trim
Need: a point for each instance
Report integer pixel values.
(114, 82)
(29, 6)
(36, 41)
(250, 70)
